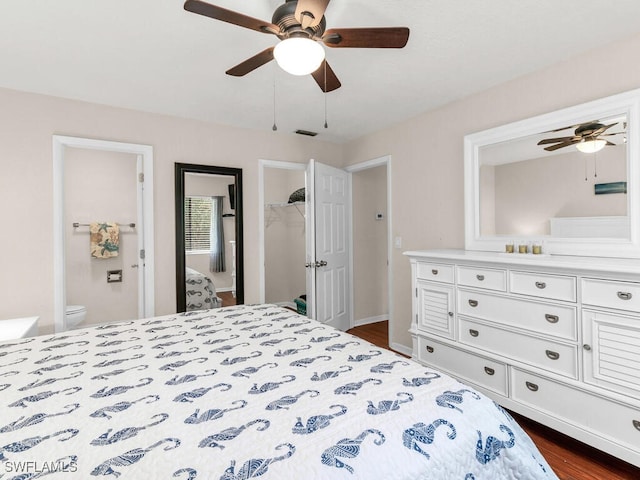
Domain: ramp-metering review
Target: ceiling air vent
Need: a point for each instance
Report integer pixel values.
(307, 133)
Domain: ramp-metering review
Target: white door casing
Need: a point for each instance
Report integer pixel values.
(328, 211)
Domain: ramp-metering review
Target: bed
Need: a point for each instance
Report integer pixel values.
(243, 392)
(200, 291)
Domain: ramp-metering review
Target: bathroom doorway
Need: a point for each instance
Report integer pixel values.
(103, 197)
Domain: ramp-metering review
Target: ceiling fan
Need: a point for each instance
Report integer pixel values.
(302, 22)
(586, 137)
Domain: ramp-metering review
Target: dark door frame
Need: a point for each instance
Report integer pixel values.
(180, 170)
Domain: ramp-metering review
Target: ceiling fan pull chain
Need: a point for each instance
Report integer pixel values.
(326, 125)
(275, 127)
(595, 165)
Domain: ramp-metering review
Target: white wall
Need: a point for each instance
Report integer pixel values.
(427, 151)
(27, 123)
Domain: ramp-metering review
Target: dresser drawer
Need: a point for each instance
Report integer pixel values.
(476, 369)
(553, 356)
(435, 271)
(556, 287)
(538, 317)
(611, 294)
(614, 421)
(488, 278)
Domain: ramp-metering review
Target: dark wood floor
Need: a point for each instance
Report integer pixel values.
(227, 298)
(569, 458)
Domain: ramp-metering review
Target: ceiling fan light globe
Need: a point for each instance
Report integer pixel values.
(299, 56)
(591, 146)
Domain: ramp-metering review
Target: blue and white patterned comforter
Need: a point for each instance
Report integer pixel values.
(243, 392)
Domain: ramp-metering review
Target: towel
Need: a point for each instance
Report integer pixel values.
(105, 239)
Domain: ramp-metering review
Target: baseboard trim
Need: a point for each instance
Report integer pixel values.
(396, 347)
(368, 320)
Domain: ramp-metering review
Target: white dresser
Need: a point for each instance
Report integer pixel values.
(554, 338)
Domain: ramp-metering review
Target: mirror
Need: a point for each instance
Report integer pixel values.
(531, 182)
(209, 243)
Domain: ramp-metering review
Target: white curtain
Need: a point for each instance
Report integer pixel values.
(216, 254)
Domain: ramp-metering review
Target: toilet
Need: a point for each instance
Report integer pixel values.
(75, 315)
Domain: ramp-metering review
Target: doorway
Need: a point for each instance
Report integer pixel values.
(372, 253)
(282, 234)
(107, 288)
(317, 253)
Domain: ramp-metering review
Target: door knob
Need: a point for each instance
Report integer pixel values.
(321, 263)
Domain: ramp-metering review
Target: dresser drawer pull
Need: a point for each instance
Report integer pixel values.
(489, 371)
(624, 295)
(541, 285)
(473, 303)
(473, 333)
(480, 277)
(636, 424)
(532, 386)
(429, 349)
(552, 355)
(551, 318)
(434, 271)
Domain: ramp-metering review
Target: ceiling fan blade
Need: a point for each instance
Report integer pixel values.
(544, 141)
(229, 16)
(561, 145)
(572, 127)
(309, 12)
(326, 78)
(384, 37)
(602, 129)
(250, 64)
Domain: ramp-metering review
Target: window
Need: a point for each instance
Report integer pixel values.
(197, 224)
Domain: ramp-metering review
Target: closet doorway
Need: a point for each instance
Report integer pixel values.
(283, 234)
(310, 250)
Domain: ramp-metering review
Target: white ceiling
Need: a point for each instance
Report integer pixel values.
(152, 55)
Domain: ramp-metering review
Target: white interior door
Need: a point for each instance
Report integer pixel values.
(328, 245)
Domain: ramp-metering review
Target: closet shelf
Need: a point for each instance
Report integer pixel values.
(283, 204)
(287, 204)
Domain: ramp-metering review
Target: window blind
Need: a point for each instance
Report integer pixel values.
(197, 223)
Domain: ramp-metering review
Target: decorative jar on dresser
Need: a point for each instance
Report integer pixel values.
(554, 338)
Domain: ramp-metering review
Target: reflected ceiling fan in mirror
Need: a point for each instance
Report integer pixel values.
(301, 27)
(587, 138)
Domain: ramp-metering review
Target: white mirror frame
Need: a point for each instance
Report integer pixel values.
(624, 103)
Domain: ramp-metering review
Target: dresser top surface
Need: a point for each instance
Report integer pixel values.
(612, 265)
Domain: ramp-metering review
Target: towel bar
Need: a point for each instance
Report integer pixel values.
(76, 225)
